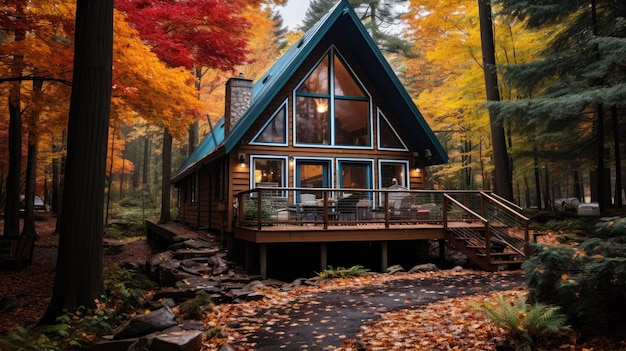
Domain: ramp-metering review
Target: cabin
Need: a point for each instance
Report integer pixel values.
(324, 154)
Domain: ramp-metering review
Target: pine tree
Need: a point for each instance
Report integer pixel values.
(380, 17)
(578, 80)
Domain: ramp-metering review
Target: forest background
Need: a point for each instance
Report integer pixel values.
(561, 73)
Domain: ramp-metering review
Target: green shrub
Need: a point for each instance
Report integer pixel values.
(125, 288)
(341, 272)
(196, 307)
(524, 322)
(610, 227)
(588, 282)
(251, 212)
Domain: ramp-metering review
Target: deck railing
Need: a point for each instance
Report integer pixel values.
(324, 207)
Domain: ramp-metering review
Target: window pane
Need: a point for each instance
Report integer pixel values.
(393, 171)
(352, 123)
(344, 83)
(311, 175)
(355, 175)
(274, 132)
(388, 138)
(312, 125)
(317, 81)
(269, 171)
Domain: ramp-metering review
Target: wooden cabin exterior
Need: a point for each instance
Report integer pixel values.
(330, 114)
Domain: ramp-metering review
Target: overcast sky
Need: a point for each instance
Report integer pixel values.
(293, 13)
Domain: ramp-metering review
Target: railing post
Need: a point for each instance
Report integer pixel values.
(386, 203)
(487, 242)
(325, 216)
(444, 211)
(526, 240)
(259, 214)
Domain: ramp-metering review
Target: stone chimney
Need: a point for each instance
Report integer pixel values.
(238, 100)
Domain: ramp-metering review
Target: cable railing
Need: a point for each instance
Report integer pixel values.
(324, 207)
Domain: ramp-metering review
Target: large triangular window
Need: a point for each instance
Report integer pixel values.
(332, 107)
(388, 138)
(274, 131)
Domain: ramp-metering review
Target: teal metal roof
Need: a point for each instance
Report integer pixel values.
(342, 24)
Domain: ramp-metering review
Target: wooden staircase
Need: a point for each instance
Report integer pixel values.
(496, 239)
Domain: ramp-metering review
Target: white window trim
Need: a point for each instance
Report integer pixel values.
(407, 169)
(274, 157)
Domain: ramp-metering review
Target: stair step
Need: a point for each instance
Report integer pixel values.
(497, 262)
(499, 254)
(476, 247)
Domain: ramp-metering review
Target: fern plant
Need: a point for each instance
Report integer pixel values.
(341, 272)
(524, 322)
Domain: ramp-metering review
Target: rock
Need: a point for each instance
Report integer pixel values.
(218, 264)
(395, 269)
(186, 340)
(197, 283)
(254, 285)
(113, 345)
(426, 267)
(255, 296)
(147, 323)
(192, 253)
(159, 258)
(457, 269)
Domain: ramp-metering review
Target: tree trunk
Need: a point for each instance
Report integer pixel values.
(166, 185)
(537, 179)
(31, 167)
(600, 150)
(146, 164)
(12, 205)
(503, 186)
(618, 159)
(78, 279)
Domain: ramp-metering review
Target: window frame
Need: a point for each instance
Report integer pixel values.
(284, 175)
(330, 55)
(284, 105)
(380, 114)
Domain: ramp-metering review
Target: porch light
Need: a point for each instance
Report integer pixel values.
(242, 159)
(291, 160)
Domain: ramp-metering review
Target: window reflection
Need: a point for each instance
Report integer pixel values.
(311, 126)
(390, 171)
(337, 114)
(352, 125)
(269, 172)
(274, 131)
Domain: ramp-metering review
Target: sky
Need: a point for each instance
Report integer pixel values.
(293, 13)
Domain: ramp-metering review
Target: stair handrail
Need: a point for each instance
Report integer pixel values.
(484, 221)
(503, 200)
(503, 205)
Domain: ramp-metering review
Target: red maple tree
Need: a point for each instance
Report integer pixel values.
(191, 32)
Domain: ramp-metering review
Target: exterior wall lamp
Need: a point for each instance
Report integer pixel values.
(242, 159)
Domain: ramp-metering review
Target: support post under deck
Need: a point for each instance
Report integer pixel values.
(383, 256)
(323, 256)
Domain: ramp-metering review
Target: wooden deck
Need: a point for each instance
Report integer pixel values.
(293, 233)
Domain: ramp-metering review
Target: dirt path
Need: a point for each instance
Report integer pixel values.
(324, 319)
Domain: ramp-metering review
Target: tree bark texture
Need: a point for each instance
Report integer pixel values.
(166, 185)
(503, 185)
(78, 279)
(12, 205)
